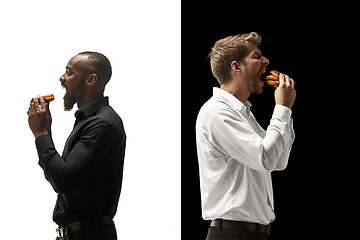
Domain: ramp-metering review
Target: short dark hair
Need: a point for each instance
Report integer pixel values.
(100, 63)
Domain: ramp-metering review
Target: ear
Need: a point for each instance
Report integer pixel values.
(93, 78)
(235, 66)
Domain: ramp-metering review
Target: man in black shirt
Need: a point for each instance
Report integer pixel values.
(88, 175)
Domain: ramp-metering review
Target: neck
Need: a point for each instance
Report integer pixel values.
(241, 93)
(88, 99)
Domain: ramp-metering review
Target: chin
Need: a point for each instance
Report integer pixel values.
(68, 107)
(68, 104)
(257, 89)
(260, 90)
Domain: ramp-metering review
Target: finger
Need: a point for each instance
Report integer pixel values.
(287, 79)
(282, 79)
(292, 82)
(42, 103)
(48, 113)
(36, 104)
(31, 108)
(32, 105)
(47, 106)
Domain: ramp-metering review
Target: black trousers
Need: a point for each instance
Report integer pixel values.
(106, 232)
(233, 234)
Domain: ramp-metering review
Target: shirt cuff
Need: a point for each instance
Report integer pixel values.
(43, 143)
(282, 113)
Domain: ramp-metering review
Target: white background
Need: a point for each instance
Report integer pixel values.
(142, 41)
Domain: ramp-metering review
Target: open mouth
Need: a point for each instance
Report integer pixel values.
(66, 90)
(262, 75)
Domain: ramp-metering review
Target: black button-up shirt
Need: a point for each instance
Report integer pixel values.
(88, 175)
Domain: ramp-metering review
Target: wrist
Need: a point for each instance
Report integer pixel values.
(283, 105)
(282, 112)
(38, 134)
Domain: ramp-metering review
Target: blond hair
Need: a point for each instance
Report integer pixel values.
(226, 50)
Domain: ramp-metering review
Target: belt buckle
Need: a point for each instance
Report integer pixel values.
(62, 232)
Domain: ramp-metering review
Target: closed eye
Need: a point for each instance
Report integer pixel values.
(257, 55)
(68, 71)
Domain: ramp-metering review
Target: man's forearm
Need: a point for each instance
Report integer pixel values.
(47, 153)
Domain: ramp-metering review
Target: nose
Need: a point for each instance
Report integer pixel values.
(62, 78)
(265, 61)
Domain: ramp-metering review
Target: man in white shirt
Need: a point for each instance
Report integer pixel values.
(236, 155)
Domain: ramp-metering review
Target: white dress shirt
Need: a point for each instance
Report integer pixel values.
(236, 157)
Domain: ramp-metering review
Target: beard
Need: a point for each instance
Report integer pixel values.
(258, 89)
(71, 95)
(254, 85)
(69, 102)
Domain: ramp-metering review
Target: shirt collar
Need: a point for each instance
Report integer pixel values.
(91, 108)
(236, 103)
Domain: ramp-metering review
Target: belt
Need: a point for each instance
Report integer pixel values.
(76, 226)
(244, 226)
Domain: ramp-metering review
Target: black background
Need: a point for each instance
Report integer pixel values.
(317, 47)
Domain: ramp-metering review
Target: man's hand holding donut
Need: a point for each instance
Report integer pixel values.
(39, 117)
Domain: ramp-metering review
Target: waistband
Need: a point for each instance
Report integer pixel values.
(239, 225)
(80, 225)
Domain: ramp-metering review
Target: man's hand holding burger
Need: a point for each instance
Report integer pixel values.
(285, 92)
